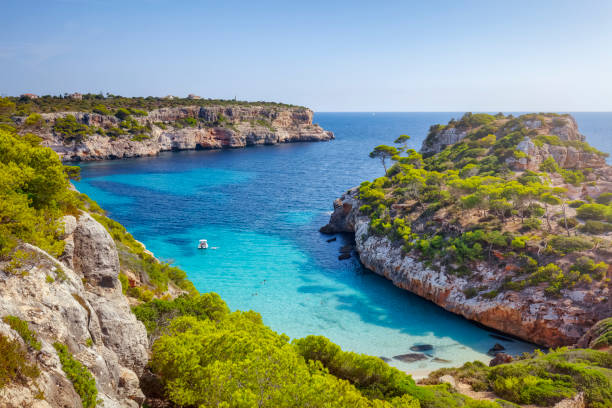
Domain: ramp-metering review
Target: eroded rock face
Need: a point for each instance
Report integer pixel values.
(248, 125)
(529, 314)
(82, 308)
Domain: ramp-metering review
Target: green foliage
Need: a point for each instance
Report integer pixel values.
(14, 365)
(83, 382)
(34, 120)
(604, 198)
(122, 113)
(602, 334)
(383, 152)
(568, 245)
(549, 165)
(240, 362)
(101, 109)
(596, 227)
(70, 129)
(34, 193)
(21, 327)
(157, 313)
(547, 379)
(594, 212)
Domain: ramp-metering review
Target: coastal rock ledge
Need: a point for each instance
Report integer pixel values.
(179, 128)
(528, 314)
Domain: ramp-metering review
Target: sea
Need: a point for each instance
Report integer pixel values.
(261, 209)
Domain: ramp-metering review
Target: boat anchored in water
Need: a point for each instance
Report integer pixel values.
(203, 244)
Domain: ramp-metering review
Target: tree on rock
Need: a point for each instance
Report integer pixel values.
(402, 140)
(383, 152)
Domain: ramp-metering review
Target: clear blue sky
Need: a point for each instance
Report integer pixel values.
(329, 55)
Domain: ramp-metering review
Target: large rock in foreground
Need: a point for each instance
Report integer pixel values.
(82, 308)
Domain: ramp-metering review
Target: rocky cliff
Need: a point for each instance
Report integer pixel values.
(505, 221)
(76, 301)
(177, 128)
(528, 314)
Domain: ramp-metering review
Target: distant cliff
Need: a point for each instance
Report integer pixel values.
(133, 133)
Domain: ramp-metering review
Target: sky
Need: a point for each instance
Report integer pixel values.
(535, 55)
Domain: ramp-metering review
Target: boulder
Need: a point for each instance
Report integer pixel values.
(500, 358)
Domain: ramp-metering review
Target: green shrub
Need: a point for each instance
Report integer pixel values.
(568, 245)
(596, 227)
(14, 365)
(575, 203)
(594, 212)
(140, 137)
(604, 198)
(122, 113)
(34, 120)
(547, 379)
(157, 313)
(71, 130)
(21, 327)
(83, 382)
(101, 109)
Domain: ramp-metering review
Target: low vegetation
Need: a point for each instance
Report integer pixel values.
(542, 379)
(82, 380)
(14, 364)
(22, 328)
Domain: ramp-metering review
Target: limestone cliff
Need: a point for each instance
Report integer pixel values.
(528, 314)
(479, 224)
(178, 128)
(77, 301)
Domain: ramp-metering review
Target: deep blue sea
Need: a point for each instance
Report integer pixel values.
(262, 207)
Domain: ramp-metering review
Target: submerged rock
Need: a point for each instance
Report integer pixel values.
(344, 256)
(410, 357)
(422, 347)
(331, 239)
(497, 348)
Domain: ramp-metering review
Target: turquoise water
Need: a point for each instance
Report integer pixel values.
(262, 208)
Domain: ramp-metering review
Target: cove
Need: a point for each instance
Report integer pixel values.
(262, 208)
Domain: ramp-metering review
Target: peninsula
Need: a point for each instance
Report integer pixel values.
(503, 220)
(94, 127)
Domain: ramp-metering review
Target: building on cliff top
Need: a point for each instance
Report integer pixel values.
(193, 96)
(77, 96)
(29, 95)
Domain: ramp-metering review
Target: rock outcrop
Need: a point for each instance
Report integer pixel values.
(78, 302)
(216, 128)
(569, 153)
(528, 314)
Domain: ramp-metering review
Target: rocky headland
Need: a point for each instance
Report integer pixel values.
(493, 289)
(96, 136)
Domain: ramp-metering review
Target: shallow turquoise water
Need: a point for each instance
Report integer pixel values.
(262, 208)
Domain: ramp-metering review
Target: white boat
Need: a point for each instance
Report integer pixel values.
(203, 244)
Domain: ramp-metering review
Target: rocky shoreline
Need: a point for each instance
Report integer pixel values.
(212, 128)
(529, 315)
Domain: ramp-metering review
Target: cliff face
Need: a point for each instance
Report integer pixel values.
(528, 314)
(76, 301)
(216, 128)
